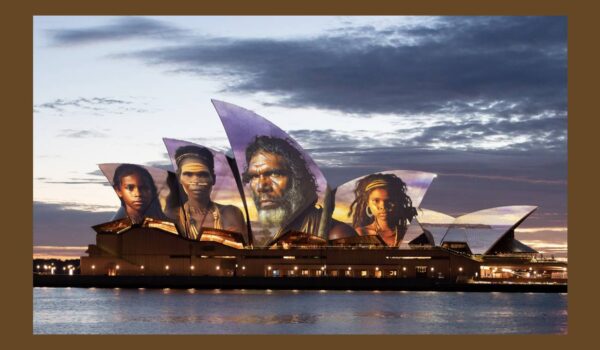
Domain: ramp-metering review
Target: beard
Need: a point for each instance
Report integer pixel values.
(271, 218)
(290, 202)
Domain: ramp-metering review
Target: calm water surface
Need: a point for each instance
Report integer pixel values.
(170, 311)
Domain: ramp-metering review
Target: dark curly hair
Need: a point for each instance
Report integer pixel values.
(129, 169)
(403, 211)
(295, 163)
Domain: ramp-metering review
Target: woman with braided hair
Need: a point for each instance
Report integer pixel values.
(382, 207)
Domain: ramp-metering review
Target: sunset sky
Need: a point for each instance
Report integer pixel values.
(479, 101)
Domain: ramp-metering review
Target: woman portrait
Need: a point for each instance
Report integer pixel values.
(382, 207)
(138, 194)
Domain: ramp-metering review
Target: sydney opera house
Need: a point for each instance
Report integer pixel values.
(267, 210)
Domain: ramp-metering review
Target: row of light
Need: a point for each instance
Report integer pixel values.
(51, 267)
(350, 268)
(509, 270)
(460, 269)
(166, 267)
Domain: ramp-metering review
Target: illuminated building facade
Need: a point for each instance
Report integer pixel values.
(269, 212)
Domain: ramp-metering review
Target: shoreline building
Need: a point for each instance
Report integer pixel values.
(269, 211)
(155, 249)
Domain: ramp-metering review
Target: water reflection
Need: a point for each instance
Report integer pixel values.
(382, 314)
(197, 311)
(271, 319)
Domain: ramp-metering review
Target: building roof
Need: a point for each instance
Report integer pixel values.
(482, 229)
(434, 222)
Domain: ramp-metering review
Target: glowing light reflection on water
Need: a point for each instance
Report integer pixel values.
(191, 311)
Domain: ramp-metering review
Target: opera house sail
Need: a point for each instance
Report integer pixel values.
(267, 210)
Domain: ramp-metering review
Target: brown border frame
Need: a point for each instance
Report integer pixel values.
(18, 32)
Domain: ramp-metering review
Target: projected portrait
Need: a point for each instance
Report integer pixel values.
(209, 205)
(139, 191)
(196, 175)
(281, 185)
(381, 204)
(279, 181)
(381, 207)
(286, 192)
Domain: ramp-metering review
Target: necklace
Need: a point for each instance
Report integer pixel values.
(197, 231)
(379, 231)
(195, 210)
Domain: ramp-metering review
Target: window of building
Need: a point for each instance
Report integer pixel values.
(305, 272)
(318, 273)
(364, 273)
(421, 271)
(276, 273)
(348, 273)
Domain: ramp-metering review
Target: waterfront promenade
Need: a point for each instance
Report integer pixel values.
(305, 283)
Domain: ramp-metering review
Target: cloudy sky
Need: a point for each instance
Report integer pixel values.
(480, 101)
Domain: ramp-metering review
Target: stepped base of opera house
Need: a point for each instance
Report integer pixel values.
(147, 251)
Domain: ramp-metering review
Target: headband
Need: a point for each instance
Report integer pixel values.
(194, 167)
(376, 184)
(194, 155)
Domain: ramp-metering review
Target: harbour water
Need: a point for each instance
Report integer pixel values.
(171, 311)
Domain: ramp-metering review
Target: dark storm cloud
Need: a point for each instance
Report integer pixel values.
(92, 105)
(78, 134)
(120, 29)
(543, 167)
(96, 172)
(546, 132)
(328, 138)
(504, 65)
(89, 103)
(55, 225)
(97, 178)
(79, 182)
(161, 164)
(543, 133)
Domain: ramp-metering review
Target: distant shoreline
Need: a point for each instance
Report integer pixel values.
(305, 283)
